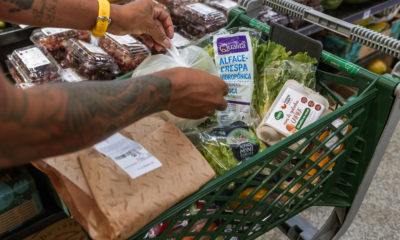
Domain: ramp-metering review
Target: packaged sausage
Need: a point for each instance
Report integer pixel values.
(173, 4)
(294, 108)
(90, 61)
(267, 15)
(199, 19)
(222, 5)
(31, 65)
(53, 39)
(127, 51)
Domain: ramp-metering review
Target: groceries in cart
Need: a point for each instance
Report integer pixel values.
(295, 107)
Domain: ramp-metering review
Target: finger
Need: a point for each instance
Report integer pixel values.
(164, 26)
(225, 89)
(223, 105)
(147, 40)
(159, 36)
(224, 86)
(210, 112)
(165, 19)
(158, 47)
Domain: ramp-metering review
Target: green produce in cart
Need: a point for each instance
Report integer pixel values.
(225, 147)
(275, 66)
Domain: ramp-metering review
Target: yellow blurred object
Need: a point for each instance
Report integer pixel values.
(363, 22)
(321, 152)
(379, 27)
(2, 24)
(293, 190)
(377, 66)
(261, 193)
(246, 193)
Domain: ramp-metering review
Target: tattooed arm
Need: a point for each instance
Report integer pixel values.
(59, 118)
(138, 17)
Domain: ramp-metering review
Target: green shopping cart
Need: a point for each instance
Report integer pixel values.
(339, 179)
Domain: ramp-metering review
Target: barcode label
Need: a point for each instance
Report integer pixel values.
(132, 157)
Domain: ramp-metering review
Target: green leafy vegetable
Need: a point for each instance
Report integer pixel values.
(275, 66)
(217, 151)
(218, 154)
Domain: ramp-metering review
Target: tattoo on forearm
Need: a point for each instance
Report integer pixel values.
(63, 118)
(43, 9)
(39, 12)
(51, 10)
(20, 5)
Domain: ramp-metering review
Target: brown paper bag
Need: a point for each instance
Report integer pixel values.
(128, 203)
(71, 185)
(80, 204)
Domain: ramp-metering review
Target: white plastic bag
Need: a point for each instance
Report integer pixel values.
(190, 57)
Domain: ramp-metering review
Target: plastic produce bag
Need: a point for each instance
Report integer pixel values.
(191, 57)
(225, 147)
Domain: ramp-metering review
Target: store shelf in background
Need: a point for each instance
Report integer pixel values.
(32, 227)
(367, 59)
(52, 208)
(15, 35)
(353, 51)
(346, 13)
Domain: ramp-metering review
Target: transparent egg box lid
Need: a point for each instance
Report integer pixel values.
(31, 65)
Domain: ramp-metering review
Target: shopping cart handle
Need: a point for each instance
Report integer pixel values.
(356, 33)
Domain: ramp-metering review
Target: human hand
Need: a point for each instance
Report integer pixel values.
(145, 18)
(194, 93)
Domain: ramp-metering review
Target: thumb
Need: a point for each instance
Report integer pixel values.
(158, 34)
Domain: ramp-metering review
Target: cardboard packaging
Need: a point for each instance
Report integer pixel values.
(65, 229)
(19, 199)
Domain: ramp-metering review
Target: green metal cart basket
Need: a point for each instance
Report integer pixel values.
(250, 205)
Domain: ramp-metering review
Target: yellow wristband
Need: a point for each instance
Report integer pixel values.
(103, 20)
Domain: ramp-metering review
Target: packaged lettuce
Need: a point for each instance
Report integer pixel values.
(225, 147)
(233, 52)
(276, 66)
